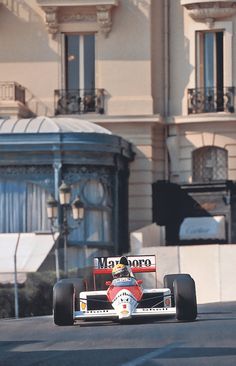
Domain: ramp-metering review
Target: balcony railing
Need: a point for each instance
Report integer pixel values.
(79, 101)
(210, 100)
(12, 91)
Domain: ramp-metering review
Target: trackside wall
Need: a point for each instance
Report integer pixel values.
(211, 266)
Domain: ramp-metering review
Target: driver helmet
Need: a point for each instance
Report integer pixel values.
(120, 270)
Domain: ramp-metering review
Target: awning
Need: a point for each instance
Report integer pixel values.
(196, 228)
(30, 249)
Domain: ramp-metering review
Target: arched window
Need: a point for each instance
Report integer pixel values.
(209, 163)
(97, 224)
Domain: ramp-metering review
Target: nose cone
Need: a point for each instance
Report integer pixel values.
(124, 304)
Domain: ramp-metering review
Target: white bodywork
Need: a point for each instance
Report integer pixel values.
(124, 304)
(130, 310)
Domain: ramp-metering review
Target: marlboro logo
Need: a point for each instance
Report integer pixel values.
(137, 262)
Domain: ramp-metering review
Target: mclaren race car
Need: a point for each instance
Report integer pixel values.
(125, 298)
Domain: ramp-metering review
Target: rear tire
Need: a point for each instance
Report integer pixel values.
(169, 280)
(63, 301)
(185, 299)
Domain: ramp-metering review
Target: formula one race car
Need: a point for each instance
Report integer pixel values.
(125, 297)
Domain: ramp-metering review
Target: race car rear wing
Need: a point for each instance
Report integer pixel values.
(137, 263)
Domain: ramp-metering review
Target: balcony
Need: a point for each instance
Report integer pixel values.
(9, 90)
(210, 100)
(79, 101)
(12, 100)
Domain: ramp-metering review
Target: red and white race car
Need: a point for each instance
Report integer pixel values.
(125, 297)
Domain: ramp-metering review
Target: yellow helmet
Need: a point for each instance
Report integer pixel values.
(120, 270)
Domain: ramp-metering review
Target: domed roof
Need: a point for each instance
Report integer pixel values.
(44, 124)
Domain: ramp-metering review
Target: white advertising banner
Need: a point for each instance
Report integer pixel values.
(208, 227)
(139, 263)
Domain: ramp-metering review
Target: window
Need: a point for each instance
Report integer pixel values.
(209, 70)
(22, 207)
(80, 61)
(79, 95)
(210, 163)
(97, 224)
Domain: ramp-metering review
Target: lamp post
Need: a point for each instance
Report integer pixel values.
(76, 208)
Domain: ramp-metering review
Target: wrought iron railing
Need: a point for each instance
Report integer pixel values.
(78, 101)
(208, 100)
(10, 90)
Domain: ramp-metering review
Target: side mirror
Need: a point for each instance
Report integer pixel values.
(139, 282)
(108, 283)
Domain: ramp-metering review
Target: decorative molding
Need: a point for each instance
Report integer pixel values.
(76, 173)
(78, 17)
(209, 11)
(104, 19)
(61, 12)
(51, 19)
(42, 175)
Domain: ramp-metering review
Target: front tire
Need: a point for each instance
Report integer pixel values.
(185, 299)
(79, 286)
(168, 282)
(63, 303)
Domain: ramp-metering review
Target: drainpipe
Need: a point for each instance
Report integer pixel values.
(116, 211)
(166, 58)
(166, 81)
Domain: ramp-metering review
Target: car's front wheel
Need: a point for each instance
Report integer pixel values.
(185, 299)
(79, 286)
(63, 303)
(168, 282)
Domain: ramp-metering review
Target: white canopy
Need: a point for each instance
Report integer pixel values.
(30, 250)
(42, 124)
(207, 227)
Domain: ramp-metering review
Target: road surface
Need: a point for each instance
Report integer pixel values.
(211, 340)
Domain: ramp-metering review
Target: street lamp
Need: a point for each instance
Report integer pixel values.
(52, 208)
(64, 194)
(76, 208)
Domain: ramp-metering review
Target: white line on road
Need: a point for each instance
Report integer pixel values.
(141, 360)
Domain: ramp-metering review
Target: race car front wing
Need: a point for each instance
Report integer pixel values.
(90, 314)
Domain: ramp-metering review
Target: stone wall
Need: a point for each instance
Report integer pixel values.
(211, 266)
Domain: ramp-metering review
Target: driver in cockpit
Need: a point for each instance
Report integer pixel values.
(122, 269)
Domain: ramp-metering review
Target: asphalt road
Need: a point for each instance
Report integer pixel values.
(210, 340)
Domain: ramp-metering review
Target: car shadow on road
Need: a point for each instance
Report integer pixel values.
(150, 320)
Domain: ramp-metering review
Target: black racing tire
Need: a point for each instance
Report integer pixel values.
(168, 281)
(79, 286)
(63, 303)
(185, 299)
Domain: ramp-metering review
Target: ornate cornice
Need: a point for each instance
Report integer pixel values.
(93, 11)
(209, 11)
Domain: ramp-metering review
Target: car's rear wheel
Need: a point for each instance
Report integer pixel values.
(169, 280)
(185, 299)
(63, 303)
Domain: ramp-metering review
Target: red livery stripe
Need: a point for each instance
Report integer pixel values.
(134, 270)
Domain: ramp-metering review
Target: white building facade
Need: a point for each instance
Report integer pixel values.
(158, 73)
